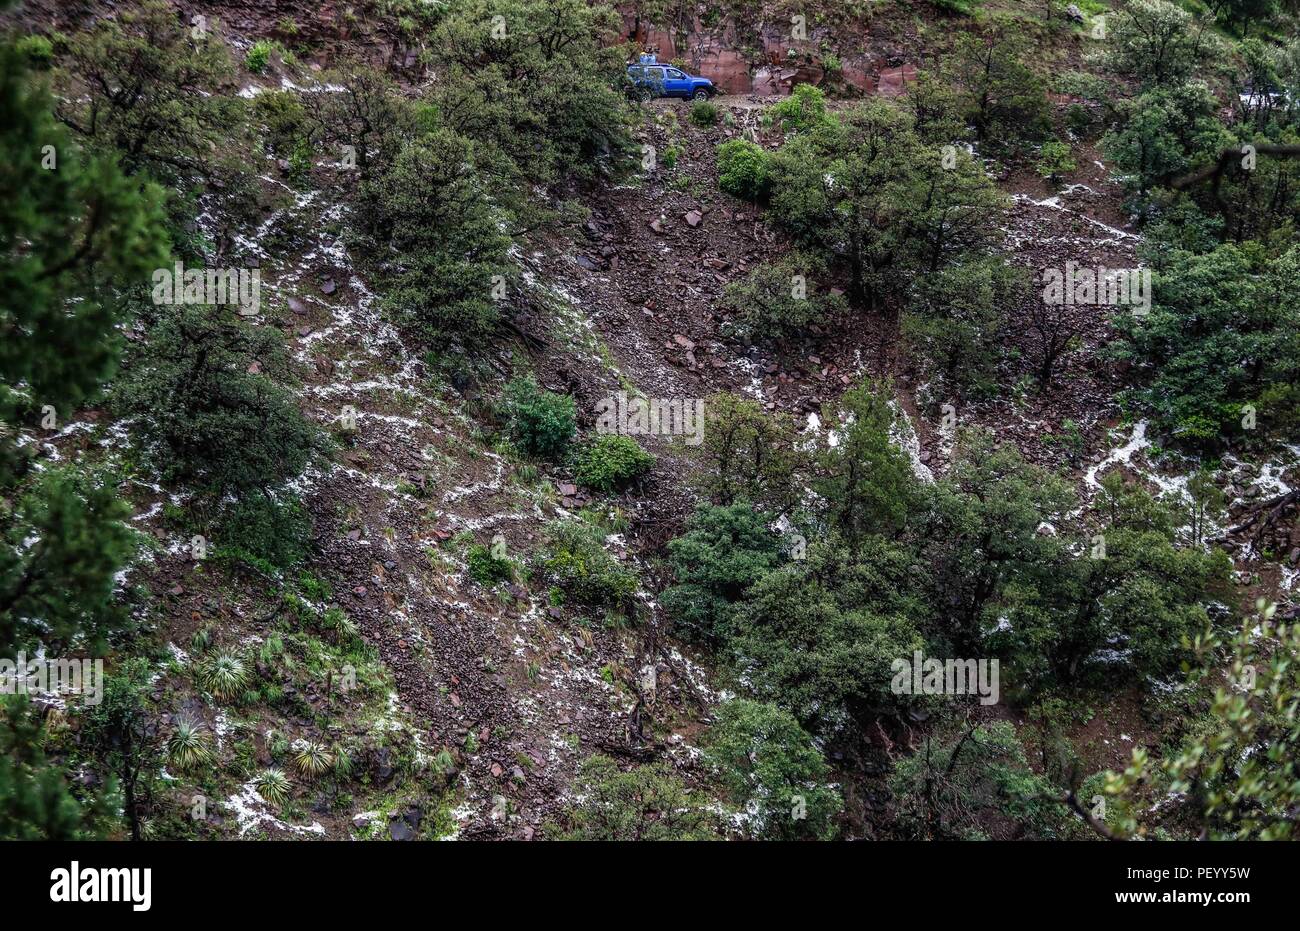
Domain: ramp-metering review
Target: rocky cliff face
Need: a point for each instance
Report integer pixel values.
(854, 54)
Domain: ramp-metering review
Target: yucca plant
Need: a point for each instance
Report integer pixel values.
(188, 747)
(274, 786)
(224, 675)
(313, 759)
(342, 764)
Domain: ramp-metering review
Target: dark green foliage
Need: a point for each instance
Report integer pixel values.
(771, 768)
(749, 453)
(973, 785)
(1156, 42)
(575, 562)
(64, 540)
(957, 319)
(263, 531)
(121, 733)
(431, 207)
(743, 169)
(71, 235)
(1221, 335)
(611, 462)
(35, 801)
(818, 636)
(1055, 160)
(778, 301)
(69, 232)
(647, 803)
(982, 532)
(203, 412)
(141, 86)
(1163, 133)
(865, 479)
(541, 423)
(803, 110)
(725, 550)
(1002, 97)
(867, 188)
(486, 568)
(545, 99)
(704, 114)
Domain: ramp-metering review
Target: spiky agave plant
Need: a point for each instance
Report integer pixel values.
(188, 746)
(224, 675)
(313, 758)
(274, 786)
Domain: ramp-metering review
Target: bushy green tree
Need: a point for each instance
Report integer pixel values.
(209, 408)
(35, 801)
(724, 550)
(1235, 775)
(64, 540)
(975, 784)
(534, 81)
(749, 453)
(866, 188)
(432, 209)
(744, 169)
(121, 733)
(74, 234)
(778, 301)
(803, 110)
(1221, 335)
(574, 561)
(981, 532)
(864, 479)
(957, 319)
(646, 803)
(818, 635)
(1157, 42)
(772, 769)
(147, 87)
(1001, 96)
(1163, 132)
(73, 230)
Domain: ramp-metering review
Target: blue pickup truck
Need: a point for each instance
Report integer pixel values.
(649, 79)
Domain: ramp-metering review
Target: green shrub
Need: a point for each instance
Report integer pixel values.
(1055, 159)
(743, 169)
(776, 301)
(259, 55)
(704, 114)
(575, 562)
(539, 422)
(611, 462)
(38, 50)
(265, 533)
(486, 568)
(803, 110)
(960, 7)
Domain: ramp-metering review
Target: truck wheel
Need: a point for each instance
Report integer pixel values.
(701, 94)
